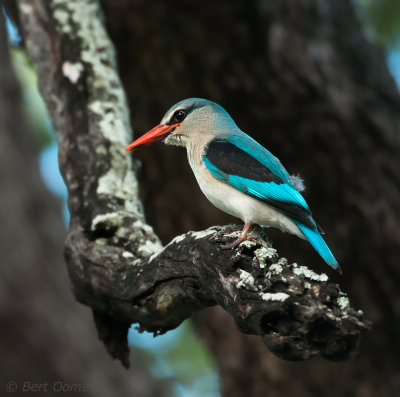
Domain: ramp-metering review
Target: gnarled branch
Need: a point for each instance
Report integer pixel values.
(116, 262)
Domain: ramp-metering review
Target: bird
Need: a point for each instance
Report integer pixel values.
(236, 173)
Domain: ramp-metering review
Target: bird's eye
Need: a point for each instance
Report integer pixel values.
(179, 116)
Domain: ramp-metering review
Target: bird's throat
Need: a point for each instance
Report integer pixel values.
(175, 140)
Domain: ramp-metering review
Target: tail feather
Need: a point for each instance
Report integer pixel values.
(316, 240)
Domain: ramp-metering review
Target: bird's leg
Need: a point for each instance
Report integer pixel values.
(242, 237)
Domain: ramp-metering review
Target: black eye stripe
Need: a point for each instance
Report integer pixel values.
(179, 116)
(175, 118)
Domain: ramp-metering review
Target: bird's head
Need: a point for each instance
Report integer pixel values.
(186, 121)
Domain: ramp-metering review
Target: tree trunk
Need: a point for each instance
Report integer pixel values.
(46, 338)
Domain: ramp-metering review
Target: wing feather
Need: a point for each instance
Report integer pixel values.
(247, 166)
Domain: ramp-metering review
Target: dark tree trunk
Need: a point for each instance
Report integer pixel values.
(302, 78)
(45, 336)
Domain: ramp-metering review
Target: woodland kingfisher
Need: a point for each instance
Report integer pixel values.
(236, 173)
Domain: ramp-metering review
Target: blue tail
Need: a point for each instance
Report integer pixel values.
(315, 239)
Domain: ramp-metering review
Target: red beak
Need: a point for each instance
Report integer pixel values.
(153, 135)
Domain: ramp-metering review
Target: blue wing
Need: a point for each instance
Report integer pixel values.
(245, 165)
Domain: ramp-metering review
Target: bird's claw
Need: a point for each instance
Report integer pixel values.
(238, 241)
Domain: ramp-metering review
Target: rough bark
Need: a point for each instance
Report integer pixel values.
(46, 338)
(115, 260)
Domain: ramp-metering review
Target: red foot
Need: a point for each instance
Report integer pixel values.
(242, 237)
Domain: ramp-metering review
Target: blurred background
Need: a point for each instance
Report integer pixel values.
(314, 83)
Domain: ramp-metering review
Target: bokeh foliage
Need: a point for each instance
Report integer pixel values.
(384, 20)
(34, 104)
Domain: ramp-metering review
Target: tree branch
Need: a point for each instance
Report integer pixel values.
(116, 262)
